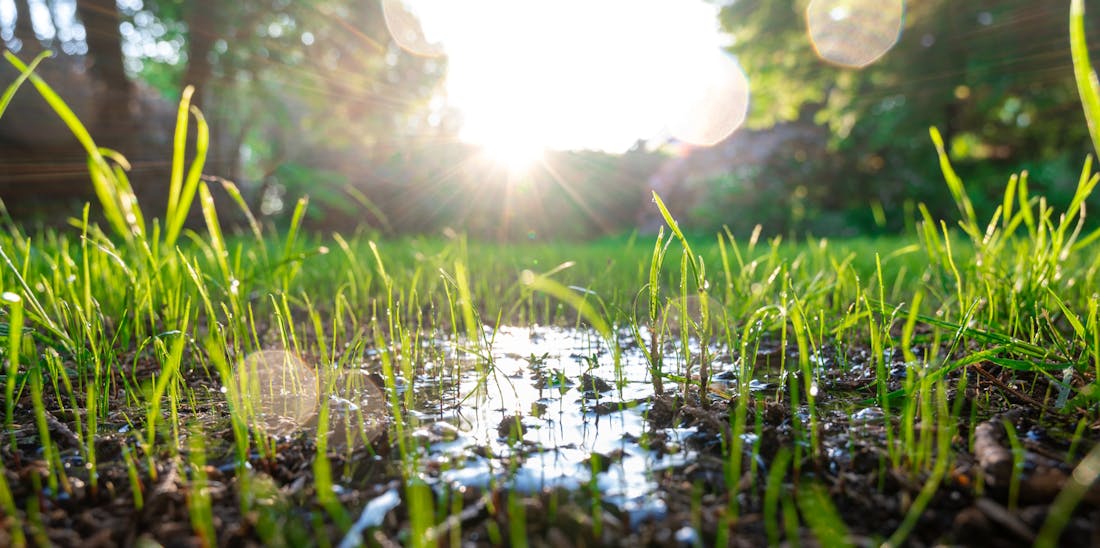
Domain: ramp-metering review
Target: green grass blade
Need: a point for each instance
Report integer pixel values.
(179, 148)
(103, 177)
(822, 516)
(1061, 510)
(969, 220)
(6, 98)
(572, 298)
(177, 212)
(253, 224)
(217, 241)
(675, 227)
(1087, 86)
(1073, 319)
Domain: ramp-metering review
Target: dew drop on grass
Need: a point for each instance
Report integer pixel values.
(10, 297)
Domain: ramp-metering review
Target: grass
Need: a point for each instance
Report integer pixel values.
(150, 321)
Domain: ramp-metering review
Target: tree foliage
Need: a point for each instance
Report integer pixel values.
(286, 86)
(993, 75)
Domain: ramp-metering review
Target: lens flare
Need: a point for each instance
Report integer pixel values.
(277, 391)
(854, 33)
(357, 412)
(677, 309)
(717, 105)
(406, 30)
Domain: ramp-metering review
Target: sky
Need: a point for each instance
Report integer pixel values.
(579, 74)
(529, 75)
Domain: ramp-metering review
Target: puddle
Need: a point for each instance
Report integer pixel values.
(552, 412)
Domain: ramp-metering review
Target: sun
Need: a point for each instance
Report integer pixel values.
(518, 157)
(574, 74)
(510, 137)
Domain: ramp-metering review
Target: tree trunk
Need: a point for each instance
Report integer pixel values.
(201, 35)
(24, 29)
(114, 122)
(101, 20)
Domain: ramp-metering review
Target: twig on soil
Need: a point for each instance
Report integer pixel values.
(1012, 391)
(384, 541)
(994, 459)
(1042, 484)
(62, 431)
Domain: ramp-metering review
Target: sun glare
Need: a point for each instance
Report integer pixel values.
(517, 157)
(574, 74)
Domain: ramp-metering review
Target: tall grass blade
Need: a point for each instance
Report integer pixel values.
(179, 199)
(6, 98)
(955, 184)
(15, 341)
(1087, 86)
(120, 210)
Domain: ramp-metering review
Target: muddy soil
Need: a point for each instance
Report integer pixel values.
(557, 445)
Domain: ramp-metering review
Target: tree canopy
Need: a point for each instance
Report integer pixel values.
(994, 76)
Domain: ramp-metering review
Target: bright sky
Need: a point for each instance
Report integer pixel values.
(572, 74)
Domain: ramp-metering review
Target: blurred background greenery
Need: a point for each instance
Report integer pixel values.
(315, 97)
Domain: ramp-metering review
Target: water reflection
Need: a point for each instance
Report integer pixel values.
(582, 425)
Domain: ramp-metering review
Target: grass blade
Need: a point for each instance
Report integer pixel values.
(1087, 86)
(5, 99)
(822, 516)
(103, 177)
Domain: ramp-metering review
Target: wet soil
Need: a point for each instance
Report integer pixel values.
(578, 452)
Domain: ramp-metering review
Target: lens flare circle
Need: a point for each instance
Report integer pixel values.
(405, 29)
(854, 33)
(277, 391)
(716, 106)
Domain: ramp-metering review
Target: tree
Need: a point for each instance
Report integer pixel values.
(994, 76)
(279, 82)
(101, 25)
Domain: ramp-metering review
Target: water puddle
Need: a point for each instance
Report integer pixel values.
(543, 408)
(552, 412)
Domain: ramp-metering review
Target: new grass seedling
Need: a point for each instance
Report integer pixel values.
(15, 341)
(824, 520)
(199, 505)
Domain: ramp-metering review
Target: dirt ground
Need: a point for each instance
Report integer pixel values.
(973, 505)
